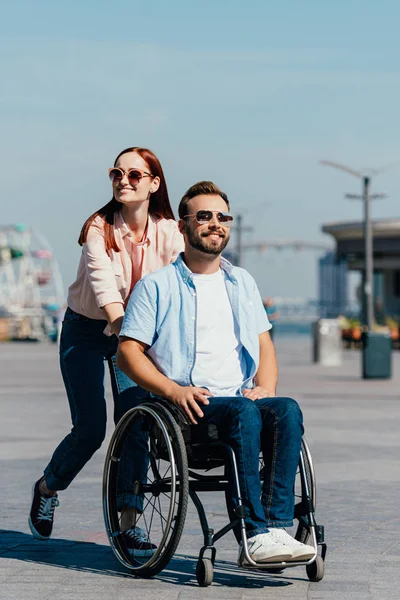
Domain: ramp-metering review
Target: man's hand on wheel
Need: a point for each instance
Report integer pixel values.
(187, 398)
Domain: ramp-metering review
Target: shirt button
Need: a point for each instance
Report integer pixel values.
(193, 318)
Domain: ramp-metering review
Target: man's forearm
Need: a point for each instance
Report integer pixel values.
(135, 364)
(267, 374)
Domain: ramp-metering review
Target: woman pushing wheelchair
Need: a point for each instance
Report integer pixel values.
(132, 235)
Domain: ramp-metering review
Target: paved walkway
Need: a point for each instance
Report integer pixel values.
(352, 428)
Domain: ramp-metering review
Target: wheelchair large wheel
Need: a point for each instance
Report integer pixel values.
(305, 494)
(305, 489)
(146, 463)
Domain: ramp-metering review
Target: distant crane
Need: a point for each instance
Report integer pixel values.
(262, 246)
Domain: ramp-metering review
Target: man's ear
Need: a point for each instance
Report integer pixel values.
(182, 225)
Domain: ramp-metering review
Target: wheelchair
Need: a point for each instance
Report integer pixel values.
(175, 453)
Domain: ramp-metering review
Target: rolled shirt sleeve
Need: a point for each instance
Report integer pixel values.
(99, 271)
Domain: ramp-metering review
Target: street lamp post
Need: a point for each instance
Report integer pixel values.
(239, 229)
(366, 197)
(368, 283)
(369, 269)
(239, 232)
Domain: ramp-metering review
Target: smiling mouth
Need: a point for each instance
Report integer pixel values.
(215, 236)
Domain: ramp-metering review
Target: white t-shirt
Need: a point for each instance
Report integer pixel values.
(219, 363)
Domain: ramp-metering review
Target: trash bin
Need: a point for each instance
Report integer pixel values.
(377, 355)
(327, 342)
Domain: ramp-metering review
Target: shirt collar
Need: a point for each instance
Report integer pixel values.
(120, 224)
(186, 273)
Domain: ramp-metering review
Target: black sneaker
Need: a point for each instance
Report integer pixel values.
(138, 543)
(41, 516)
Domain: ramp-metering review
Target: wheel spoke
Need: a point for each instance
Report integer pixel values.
(164, 501)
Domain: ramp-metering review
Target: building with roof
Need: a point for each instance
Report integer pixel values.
(349, 239)
(332, 285)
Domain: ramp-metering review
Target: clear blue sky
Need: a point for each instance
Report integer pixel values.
(249, 94)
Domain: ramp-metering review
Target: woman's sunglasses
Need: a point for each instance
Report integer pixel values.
(134, 175)
(205, 216)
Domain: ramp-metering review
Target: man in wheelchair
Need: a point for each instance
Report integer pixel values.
(196, 333)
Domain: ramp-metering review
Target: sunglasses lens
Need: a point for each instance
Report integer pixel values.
(135, 175)
(203, 216)
(115, 174)
(224, 218)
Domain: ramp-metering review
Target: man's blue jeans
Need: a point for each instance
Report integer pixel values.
(84, 349)
(275, 427)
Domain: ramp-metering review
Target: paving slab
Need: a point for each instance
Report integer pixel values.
(352, 427)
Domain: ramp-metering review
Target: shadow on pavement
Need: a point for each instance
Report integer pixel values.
(99, 559)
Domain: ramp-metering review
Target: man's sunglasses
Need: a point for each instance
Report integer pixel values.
(205, 216)
(134, 175)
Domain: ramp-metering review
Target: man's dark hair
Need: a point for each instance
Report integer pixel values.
(202, 188)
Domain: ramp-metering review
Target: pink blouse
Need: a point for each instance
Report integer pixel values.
(105, 277)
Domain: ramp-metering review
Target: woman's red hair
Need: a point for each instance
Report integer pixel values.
(159, 206)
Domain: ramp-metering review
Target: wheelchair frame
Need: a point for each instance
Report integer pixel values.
(164, 424)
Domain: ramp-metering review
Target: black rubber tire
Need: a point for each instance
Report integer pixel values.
(159, 420)
(204, 572)
(315, 571)
(302, 532)
(276, 571)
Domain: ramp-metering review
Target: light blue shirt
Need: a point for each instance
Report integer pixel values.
(162, 314)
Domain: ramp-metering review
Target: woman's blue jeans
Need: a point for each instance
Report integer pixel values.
(275, 427)
(84, 349)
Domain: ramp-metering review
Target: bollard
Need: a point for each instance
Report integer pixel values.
(327, 342)
(377, 355)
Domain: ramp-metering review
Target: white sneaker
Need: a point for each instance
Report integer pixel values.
(263, 548)
(300, 551)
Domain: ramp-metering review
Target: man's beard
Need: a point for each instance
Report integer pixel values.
(199, 242)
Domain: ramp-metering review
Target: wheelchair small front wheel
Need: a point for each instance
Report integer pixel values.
(204, 571)
(146, 468)
(315, 571)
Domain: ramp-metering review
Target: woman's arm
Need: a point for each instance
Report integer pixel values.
(114, 313)
(102, 278)
(100, 272)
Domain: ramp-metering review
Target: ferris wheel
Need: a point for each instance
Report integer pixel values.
(31, 289)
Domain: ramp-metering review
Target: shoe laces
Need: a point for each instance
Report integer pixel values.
(261, 539)
(47, 506)
(281, 535)
(137, 533)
